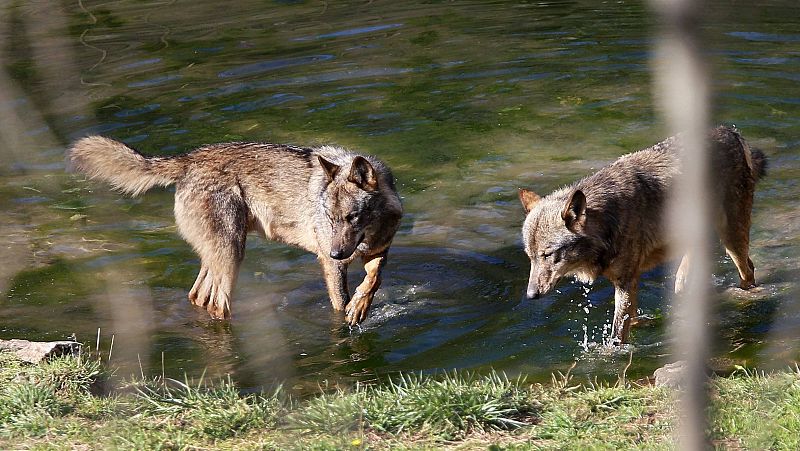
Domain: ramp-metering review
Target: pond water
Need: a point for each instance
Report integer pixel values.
(465, 100)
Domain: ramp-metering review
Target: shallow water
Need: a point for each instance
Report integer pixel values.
(466, 101)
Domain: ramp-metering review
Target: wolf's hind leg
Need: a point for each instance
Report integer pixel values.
(736, 239)
(224, 279)
(214, 285)
(362, 298)
(213, 219)
(734, 232)
(739, 253)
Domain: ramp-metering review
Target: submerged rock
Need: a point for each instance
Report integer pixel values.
(36, 351)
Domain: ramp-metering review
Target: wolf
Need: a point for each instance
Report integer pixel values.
(335, 203)
(611, 223)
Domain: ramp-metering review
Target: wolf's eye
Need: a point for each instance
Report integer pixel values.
(549, 253)
(351, 217)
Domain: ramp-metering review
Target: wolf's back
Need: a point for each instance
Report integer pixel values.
(124, 168)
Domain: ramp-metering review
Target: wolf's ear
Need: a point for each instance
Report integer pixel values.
(330, 169)
(574, 214)
(363, 174)
(528, 199)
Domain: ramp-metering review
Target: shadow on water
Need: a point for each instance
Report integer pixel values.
(466, 101)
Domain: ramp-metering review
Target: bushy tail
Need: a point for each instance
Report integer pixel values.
(755, 157)
(124, 168)
(759, 163)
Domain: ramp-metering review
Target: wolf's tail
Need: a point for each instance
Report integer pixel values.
(758, 163)
(124, 168)
(755, 157)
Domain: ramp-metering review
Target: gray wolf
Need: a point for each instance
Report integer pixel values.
(611, 223)
(327, 200)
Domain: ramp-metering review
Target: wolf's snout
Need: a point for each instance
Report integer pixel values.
(533, 291)
(338, 254)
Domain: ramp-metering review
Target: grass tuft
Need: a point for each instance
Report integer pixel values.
(216, 411)
(766, 411)
(31, 396)
(446, 407)
(450, 406)
(336, 413)
(27, 408)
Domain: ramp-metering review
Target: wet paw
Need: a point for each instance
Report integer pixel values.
(747, 285)
(197, 300)
(357, 309)
(219, 308)
(218, 312)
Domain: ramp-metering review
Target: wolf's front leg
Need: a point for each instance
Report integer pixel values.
(336, 280)
(625, 306)
(362, 298)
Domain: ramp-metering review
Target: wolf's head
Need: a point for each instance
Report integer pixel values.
(557, 239)
(350, 200)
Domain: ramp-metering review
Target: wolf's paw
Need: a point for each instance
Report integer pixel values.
(747, 285)
(356, 310)
(219, 307)
(197, 301)
(219, 312)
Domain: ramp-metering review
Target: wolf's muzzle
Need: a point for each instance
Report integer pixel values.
(532, 293)
(339, 254)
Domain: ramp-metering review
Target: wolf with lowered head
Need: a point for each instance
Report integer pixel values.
(337, 204)
(611, 223)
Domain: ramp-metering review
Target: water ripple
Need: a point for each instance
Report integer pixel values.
(265, 66)
(350, 32)
(765, 37)
(154, 81)
(139, 63)
(265, 102)
(484, 74)
(137, 111)
(766, 61)
(302, 80)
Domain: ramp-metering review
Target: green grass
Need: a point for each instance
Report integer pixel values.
(59, 405)
(447, 407)
(206, 411)
(766, 411)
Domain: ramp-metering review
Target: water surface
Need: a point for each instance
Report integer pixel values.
(466, 101)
